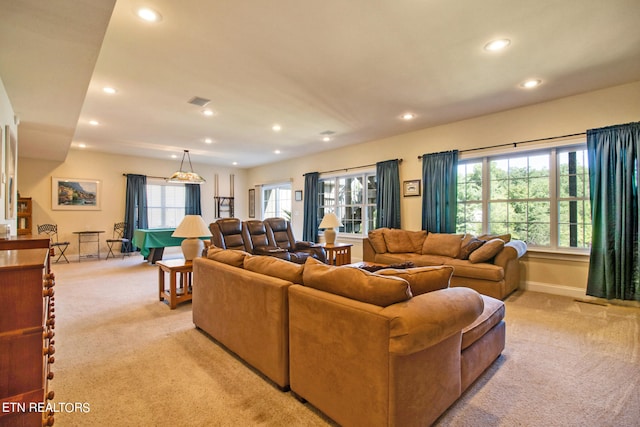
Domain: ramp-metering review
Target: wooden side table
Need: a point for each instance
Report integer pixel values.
(338, 253)
(179, 290)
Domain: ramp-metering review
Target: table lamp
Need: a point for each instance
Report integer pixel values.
(192, 228)
(330, 222)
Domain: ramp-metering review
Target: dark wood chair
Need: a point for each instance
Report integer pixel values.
(118, 238)
(51, 230)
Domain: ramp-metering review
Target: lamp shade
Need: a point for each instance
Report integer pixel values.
(330, 220)
(192, 227)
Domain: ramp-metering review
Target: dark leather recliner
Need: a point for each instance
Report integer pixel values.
(256, 239)
(226, 233)
(281, 235)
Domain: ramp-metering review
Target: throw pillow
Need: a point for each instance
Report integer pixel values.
(403, 241)
(504, 237)
(486, 251)
(444, 244)
(355, 283)
(422, 279)
(227, 256)
(377, 240)
(274, 267)
(471, 246)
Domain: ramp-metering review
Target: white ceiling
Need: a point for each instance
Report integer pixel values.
(350, 67)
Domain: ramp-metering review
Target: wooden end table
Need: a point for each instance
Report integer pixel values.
(179, 291)
(338, 253)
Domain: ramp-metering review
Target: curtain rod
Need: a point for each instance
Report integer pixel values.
(515, 144)
(354, 167)
(148, 176)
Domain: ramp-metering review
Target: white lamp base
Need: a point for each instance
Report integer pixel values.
(192, 248)
(330, 236)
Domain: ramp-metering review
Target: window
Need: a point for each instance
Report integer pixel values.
(165, 204)
(541, 197)
(276, 201)
(352, 198)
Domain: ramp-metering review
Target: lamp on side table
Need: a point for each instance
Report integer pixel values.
(192, 228)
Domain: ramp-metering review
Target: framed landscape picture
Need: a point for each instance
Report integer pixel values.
(74, 194)
(411, 188)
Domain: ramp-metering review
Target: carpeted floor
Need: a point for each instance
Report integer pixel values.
(134, 362)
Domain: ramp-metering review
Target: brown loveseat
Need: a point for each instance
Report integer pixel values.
(394, 348)
(488, 264)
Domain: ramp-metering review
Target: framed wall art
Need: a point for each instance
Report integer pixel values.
(11, 157)
(298, 195)
(76, 194)
(411, 188)
(252, 203)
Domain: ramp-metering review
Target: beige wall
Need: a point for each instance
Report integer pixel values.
(569, 115)
(35, 182)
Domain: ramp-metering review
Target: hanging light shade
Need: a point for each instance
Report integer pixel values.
(186, 177)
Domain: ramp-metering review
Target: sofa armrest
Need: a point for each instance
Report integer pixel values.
(368, 253)
(428, 319)
(512, 250)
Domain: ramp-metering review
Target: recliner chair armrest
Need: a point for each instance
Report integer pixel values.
(301, 245)
(272, 251)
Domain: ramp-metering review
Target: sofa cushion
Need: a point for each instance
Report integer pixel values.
(469, 247)
(444, 244)
(422, 279)
(492, 314)
(486, 251)
(403, 241)
(355, 283)
(376, 237)
(274, 267)
(227, 256)
(483, 271)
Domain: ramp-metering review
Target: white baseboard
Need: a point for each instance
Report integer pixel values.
(548, 288)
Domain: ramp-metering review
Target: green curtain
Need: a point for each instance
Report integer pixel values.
(193, 205)
(439, 199)
(613, 169)
(388, 194)
(310, 215)
(135, 214)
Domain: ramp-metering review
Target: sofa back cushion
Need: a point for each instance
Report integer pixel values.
(404, 241)
(444, 244)
(422, 279)
(376, 237)
(355, 283)
(471, 245)
(274, 267)
(227, 256)
(487, 251)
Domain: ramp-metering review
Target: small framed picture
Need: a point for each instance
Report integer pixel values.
(411, 188)
(298, 195)
(252, 203)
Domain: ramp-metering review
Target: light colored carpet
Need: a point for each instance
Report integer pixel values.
(137, 363)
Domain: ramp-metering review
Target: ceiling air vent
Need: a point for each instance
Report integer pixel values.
(200, 102)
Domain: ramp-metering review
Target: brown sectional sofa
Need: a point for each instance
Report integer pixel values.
(389, 349)
(492, 268)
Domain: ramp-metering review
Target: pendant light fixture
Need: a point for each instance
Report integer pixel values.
(184, 177)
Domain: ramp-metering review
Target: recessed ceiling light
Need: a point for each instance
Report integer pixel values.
(496, 45)
(277, 151)
(174, 156)
(109, 90)
(530, 84)
(149, 15)
(94, 122)
(276, 128)
(82, 145)
(408, 116)
(208, 141)
(326, 138)
(235, 163)
(208, 112)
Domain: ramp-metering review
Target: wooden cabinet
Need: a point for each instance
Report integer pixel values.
(27, 323)
(25, 222)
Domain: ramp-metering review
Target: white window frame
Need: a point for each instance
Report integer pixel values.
(339, 210)
(282, 200)
(163, 203)
(553, 148)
